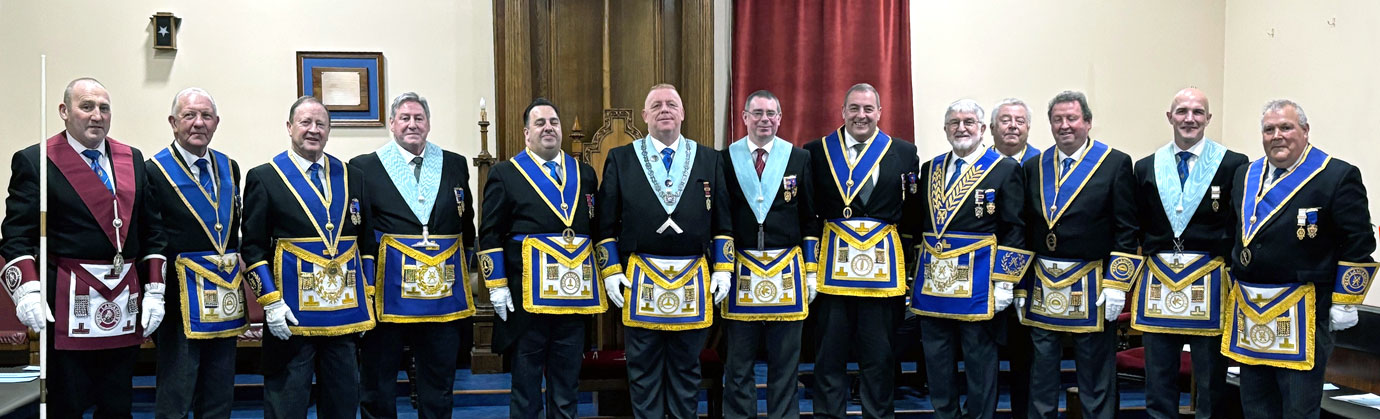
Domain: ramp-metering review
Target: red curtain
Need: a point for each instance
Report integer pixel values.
(809, 52)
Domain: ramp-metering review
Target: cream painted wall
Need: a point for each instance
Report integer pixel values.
(1327, 69)
(244, 54)
(1128, 57)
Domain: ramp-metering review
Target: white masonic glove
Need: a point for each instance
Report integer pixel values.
(1343, 316)
(1003, 295)
(720, 285)
(277, 316)
(1115, 299)
(30, 307)
(502, 300)
(811, 286)
(152, 314)
(612, 284)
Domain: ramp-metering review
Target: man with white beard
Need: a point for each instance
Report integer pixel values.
(969, 217)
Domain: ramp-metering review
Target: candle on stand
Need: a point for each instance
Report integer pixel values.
(483, 113)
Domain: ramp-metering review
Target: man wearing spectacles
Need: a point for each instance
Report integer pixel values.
(772, 202)
(968, 214)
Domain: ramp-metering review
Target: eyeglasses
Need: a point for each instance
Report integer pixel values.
(956, 123)
(759, 114)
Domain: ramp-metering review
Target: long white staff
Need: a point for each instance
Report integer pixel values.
(43, 232)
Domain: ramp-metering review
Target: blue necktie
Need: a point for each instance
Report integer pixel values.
(95, 157)
(1279, 173)
(314, 172)
(206, 178)
(958, 171)
(1183, 166)
(554, 170)
(1068, 163)
(666, 154)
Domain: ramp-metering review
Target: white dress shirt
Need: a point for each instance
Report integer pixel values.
(104, 160)
(191, 159)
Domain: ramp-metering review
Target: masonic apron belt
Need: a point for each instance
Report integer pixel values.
(422, 282)
(558, 275)
(767, 286)
(667, 293)
(1271, 325)
(955, 279)
(1063, 295)
(212, 302)
(96, 311)
(861, 258)
(325, 291)
(1180, 294)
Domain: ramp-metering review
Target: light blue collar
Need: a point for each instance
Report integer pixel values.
(419, 195)
(1180, 202)
(760, 193)
(667, 186)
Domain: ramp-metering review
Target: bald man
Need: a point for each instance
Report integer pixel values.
(99, 224)
(1186, 229)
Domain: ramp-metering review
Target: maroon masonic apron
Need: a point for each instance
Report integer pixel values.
(98, 300)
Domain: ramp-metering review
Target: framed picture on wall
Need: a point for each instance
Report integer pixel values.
(350, 84)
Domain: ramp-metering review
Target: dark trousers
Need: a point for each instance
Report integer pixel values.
(434, 346)
(1271, 392)
(863, 326)
(1162, 356)
(664, 371)
(1095, 360)
(782, 341)
(551, 348)
(1019, 353)
(195, 376)
(81, 379)
(289, 366)
(943, 339)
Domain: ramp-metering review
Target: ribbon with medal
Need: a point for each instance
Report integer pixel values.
(560, 197)
(1265, 201)
(945, 202)
(1058, 190)
(205, 205)
(851, 174)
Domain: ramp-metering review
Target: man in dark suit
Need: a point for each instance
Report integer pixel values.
(661, 261)
(199, 188)
(1186, 230)
(967, 215)
(1082, 227)
(99, 223)
(1010, 130)
(1301, 261)
(861, 178)
(422, 226)
(303, 215)
(772, 202)
(538, 225)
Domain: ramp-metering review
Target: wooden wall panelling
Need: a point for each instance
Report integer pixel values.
(696, 54)
(576, 62)
(513, 72)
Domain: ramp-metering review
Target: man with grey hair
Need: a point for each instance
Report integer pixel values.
(1301, 263)
(1081, 208)
(200, 191)
(423, 219)
(1181, 193)
(968, 212)
(1010, 130)
(862, 177)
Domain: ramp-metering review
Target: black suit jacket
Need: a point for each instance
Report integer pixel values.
(1344, 232)
(271, 212)
(1208, 231)
(1006, 177)
(787, 223)
(631, 213)
(886, 202)
(512, 207)
(180, 226)
(390, 214)
(72, 231)
(1100, 220)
